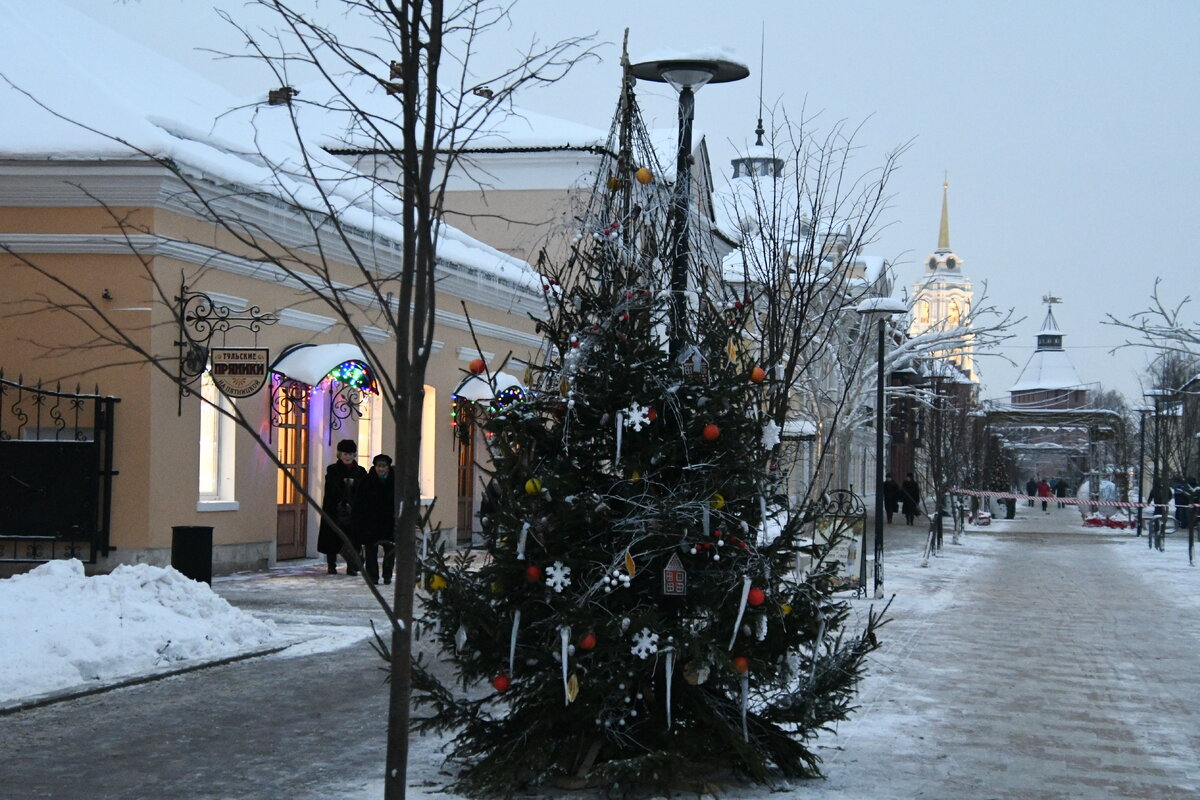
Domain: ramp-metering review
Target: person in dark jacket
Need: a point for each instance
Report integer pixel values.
(375, 518)
(1182, 496)
(910, 497)
(338, 503)
(891, 496)
(1031, 490)
(1062, 491)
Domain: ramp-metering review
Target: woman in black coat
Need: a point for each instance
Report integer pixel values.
(338, 502)
(910, 495)
(375, 518)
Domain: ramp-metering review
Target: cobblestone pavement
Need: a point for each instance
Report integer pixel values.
(1033, 661)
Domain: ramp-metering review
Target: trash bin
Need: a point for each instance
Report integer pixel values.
(191, 551)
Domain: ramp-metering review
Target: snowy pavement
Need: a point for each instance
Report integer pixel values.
(1038, 659)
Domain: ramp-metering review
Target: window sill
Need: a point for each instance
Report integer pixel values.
(217, 505)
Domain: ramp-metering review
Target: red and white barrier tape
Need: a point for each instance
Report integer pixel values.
(1072, 501)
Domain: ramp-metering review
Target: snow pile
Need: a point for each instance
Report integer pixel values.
(63, 629)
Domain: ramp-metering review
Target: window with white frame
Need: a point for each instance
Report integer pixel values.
(216, 485)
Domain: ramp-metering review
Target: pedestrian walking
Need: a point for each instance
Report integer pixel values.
(1043, 492)
(337, 502)
(1182, 496)
(375, 518)
(1062, 491)
(891, 496)
(910, 497)
(1030, 490)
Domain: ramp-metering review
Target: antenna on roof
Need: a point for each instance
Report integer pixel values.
(762, 47)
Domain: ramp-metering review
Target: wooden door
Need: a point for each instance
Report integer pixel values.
(291, 529)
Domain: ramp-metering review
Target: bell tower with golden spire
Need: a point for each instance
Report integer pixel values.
(943, 297)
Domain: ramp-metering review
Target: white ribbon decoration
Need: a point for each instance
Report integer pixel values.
(512, 642)
(670, 677)
(620, 432)
(564, 634)
(741, 610)
(521, 542)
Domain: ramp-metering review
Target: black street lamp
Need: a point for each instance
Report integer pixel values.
(1142, 412)
(879, 309)
(686, 75)
(1156, 395)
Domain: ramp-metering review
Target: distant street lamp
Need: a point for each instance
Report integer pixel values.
(687, 76)
(880, 310)
(1142, 412)
(1155, 395)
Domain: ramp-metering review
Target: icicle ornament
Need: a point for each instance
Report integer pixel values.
(741, 610)
(521, 542)
(670, 654)
(745, 702)
(512, 641)
(564, 636)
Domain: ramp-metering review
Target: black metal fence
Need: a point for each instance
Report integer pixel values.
(56, 471)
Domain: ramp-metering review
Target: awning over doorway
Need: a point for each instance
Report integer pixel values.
(310, 363)
(477, 389)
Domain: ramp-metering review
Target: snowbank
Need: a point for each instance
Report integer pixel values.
(64, 630)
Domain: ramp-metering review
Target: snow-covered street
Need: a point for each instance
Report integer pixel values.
(1038, 659)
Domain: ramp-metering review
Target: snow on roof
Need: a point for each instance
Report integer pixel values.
(1047, 369)
(147, 102)
(476, 387)
(310, 363)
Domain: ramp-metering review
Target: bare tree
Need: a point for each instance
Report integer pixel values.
(806, 221)
(408, 94)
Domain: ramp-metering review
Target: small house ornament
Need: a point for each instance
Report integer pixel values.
(693, 365)
(674, 578)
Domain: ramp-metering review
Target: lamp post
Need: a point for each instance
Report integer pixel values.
(686, 76)
(880, 310)
(1155, 395)
(1142, 412)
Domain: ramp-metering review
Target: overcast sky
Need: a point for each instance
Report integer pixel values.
(1068, 129)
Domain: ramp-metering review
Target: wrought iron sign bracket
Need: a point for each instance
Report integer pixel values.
(199, 320)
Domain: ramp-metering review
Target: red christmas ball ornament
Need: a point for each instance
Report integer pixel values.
(711, 432)
(501, 683)
(533, 573)
(588, 642)
(740, 663)
(758, 374)
(477, 366)
(652, 413)
(756, 597)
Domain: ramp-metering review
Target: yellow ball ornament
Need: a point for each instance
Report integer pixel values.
(785, 609)
(437, 582)
(533, 486)
(717, 501)
(644, 176)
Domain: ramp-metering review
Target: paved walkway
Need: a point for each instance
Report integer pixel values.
(1036, 660)
(1056, 666)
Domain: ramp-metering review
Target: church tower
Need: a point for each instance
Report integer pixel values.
(943, 296)
(1049, 379)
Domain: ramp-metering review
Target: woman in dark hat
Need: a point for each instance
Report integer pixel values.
(375, 518)
(338, 503)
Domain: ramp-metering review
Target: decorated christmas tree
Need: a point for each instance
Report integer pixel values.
(649, 611)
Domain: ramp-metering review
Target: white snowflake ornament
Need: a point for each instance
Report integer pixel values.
(558, 576)
(645, 644)
(770, 435)
(637, 416)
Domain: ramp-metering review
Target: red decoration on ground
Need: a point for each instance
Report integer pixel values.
(587, 642)
(501, 683)
(477, 366)
(711, 432)
(740, 663)
(756, 597)
(533, 573)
